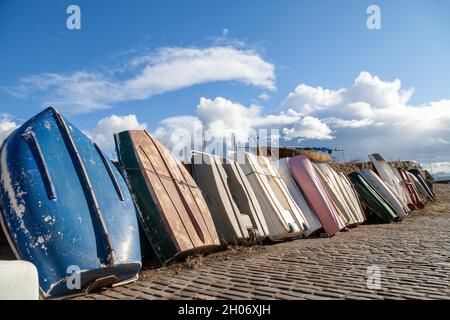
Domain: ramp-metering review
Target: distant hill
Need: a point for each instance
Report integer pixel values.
(441, 176)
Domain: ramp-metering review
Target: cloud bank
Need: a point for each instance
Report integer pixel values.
(141, 77)
(376, 116)
(223, 118)
(370, 116)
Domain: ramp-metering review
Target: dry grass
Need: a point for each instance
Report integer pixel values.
(194, 261)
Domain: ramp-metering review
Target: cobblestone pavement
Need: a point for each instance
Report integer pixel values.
(414, 258)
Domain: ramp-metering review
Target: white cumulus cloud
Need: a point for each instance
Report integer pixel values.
(309, 128)
(7, 125)
(103, 133)
(376, 116)
(223, 118)
(372, 115)
(264, 96)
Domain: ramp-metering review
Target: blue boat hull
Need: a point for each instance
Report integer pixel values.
(65, 208)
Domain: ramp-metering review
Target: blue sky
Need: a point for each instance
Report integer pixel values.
(317, 43)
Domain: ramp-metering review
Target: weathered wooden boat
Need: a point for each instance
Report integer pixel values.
(66, 209)
(313, 221)
(374, 201)
(386, 173)
(385, 191)
(18, 281)
(419, 187)
(233, 205)
(284, 219)
(342, 200)
(407, 185)
(312, 187)
(424, 183)
(171, 207)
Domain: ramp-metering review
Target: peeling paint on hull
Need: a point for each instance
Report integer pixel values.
(62, 228)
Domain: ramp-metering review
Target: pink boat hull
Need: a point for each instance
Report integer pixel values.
(304, 175)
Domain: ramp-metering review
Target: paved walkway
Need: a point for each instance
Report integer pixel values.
(413, 257)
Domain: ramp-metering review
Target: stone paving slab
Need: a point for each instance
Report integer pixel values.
(413, 256)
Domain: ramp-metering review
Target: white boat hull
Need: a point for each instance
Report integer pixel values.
(386, 173)
(344, 201)
(302, 203)
(232, 203)
(18, 280)
(284, 219)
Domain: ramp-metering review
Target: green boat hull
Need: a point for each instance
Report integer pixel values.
(149, 218)
(171, 209)
(373, 200)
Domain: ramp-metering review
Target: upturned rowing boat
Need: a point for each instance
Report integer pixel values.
(423, 182)
(313, 221)
(312, 187)
(18, 281)
(385, 191)
(407, 185)
(230, 198)
(386, 173)
(419, 187)
(171, 207)
(374, 201)
(283, 217)
(65, 208)
(344, 201)
(352, 193)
